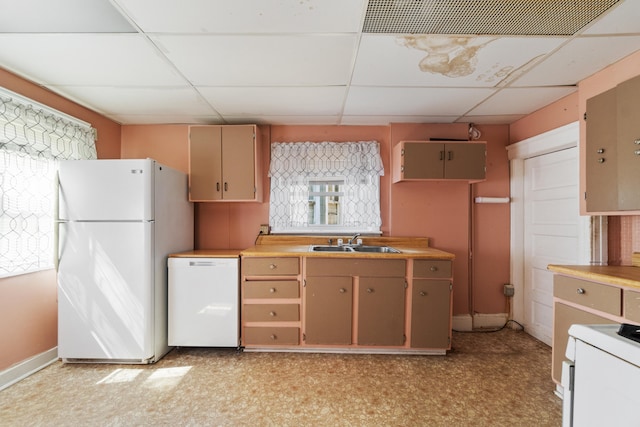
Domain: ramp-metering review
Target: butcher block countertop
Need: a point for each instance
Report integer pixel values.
(621, 275)
(208, 253)
(288, 245)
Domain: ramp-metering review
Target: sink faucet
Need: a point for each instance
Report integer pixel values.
(351, 240)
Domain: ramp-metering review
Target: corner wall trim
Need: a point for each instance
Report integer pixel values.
(22, 370)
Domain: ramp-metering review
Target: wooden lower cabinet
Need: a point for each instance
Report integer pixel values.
(381, 311)
(328, 310)
(350, 303)
(430, 311)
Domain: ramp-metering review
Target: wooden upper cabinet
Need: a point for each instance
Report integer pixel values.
(612, 165)
(601, 158)
(427, 160)
(224, 163)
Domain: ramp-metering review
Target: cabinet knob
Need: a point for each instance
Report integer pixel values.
(423, 293)
(343, 290)
(580, 291)
(273, 266)
(601, 160)
(273, 337)
(369, 290)
(637, 141)
(637, 152)
(272, 290)
(272, 313)
(433, 268)
(600, 150)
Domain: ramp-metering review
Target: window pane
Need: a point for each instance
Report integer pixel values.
(324, 203)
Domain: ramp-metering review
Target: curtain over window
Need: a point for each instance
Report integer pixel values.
(32, 138)
(348, 171)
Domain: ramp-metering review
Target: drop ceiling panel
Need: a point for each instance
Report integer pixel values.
(62, 16)
(381, 101)
(451, 61)
(490, 120)
(150, 100)
(520, 100)
(87, 59)
(158, 119)
(247, 16)
(376, 120)
(261, 60)
(620, 19)
(292, 101)
(579, 59)
(284, 120)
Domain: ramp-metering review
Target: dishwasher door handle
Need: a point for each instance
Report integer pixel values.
(201, 263)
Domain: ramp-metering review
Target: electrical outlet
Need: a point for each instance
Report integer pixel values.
(508, 290)
(264, 229)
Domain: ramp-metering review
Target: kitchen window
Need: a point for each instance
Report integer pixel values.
(32, 138)
(325, 187)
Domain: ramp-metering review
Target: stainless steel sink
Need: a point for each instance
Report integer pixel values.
(355, 248)
(378, 249)
(321, 248)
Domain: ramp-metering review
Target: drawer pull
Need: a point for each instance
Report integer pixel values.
(343, 290)
(423, 293)
(273, 337)
(581, 291)
(273, 266)
(369, 290)
(601, 160)
(272, 290)
(433, 268)
(272, 313)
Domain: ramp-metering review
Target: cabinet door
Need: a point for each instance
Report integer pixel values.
(628, 144)
(601, 159)
(465, 161)
(563, 317)
(381, 311)
(328, 310)
(430, 313)
(205, 163)
(238, 162)
(422, 160)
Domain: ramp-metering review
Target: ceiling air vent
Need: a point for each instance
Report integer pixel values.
(483, 17)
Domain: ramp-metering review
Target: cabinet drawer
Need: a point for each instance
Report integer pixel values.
(270, 266)
(436, 268)
(589, 294)
(271, 336)
(271, 312)
(632, 305)
(356, 267)
(272, 289)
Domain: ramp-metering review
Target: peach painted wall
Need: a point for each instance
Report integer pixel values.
(438, 210)
(559, 113)
(28, 302)
(443, 211)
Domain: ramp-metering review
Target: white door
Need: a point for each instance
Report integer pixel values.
(105, 298)
(551, 232)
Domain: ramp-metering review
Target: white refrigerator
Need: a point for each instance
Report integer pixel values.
(117, 220)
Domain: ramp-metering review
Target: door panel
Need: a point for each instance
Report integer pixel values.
(106, 190)
(381, 311)
(328, 310)
(551, 232)
(423, 161)
(238, 168)
(430, 313)
(205, 163)
(105, 299)
(465, 161)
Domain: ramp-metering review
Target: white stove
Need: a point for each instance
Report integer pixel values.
(602, 378)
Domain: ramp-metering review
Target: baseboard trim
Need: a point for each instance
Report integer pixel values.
(462, 322)
(23, 369)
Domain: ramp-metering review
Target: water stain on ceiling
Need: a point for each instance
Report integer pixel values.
(451, 56)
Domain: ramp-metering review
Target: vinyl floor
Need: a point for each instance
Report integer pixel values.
(488, 379)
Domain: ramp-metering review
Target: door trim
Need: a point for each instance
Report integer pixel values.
(593, 232)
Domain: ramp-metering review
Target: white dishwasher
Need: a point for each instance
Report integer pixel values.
(203, 302)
